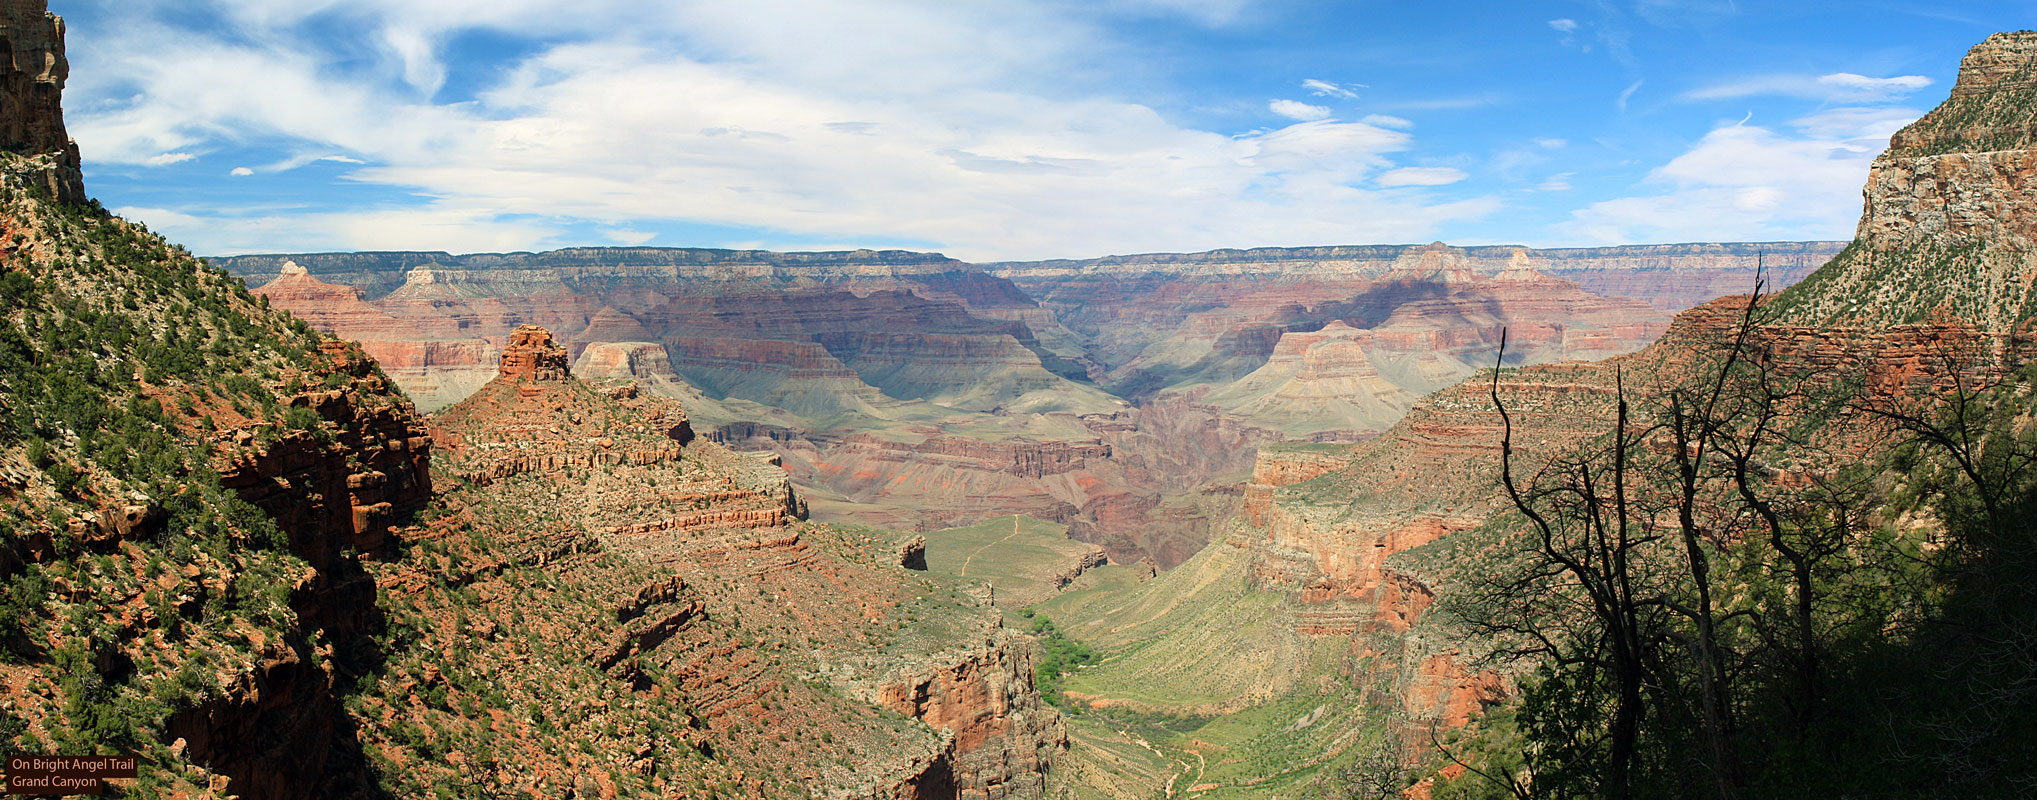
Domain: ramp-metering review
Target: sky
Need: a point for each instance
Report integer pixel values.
(1000, 129)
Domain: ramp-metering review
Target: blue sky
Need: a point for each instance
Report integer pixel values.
(1017, 129)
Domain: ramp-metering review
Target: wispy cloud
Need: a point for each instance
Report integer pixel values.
(166, 159)
(1297, 110)
(1323, 88)
(1840, 87)
(1387, 121)
(1628, 94)
(1447, 103)
(1564, 25)
(1421, 176)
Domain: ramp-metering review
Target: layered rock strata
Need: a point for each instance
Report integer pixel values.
(724, 598)
(31, 100)
(1950, 220)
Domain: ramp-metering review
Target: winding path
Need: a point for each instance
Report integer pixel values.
(979, 550)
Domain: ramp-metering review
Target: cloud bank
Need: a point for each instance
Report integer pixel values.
(915, 124)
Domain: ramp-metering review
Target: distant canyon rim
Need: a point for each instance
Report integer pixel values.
(1125, 397)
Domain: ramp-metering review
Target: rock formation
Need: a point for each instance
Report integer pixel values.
(531, 355)
(712, 591)
(31, 100)
(1950, 220)
(865, 370)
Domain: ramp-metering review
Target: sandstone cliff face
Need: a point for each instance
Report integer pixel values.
(342, 487)
(1004, 737)
(1347, 368)
(1950, 219)
(345, 487)
(31, 99)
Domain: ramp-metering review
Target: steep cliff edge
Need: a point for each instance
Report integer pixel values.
(31, 101)
(1950, 220)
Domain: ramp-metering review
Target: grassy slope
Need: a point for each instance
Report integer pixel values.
(1202, 683)
(1020, 556)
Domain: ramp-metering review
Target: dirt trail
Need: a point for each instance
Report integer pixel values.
(972, 556)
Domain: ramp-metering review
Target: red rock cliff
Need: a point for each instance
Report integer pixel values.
(31, 98)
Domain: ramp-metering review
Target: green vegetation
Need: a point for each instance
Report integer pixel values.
(1704, 625)
(130, 579)
(1199, 678)
(1059, 655)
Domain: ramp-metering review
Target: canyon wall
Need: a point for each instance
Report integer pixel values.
(891, 383)
(1951, 206)
(31, 100)
(1670, 277)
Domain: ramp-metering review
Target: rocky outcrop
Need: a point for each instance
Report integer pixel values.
(31, 100)
(342, 485)
(1949, 226)
(1003, 736)
(531, 355)
(912, 553)
(347, 482)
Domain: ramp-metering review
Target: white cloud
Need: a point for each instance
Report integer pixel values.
(167, 159)
(1421, 176)
(852, 121)
(241, 172)
(1628, 94)
(1749, 183)
(1387, 121)
(1550, 142)
(1837, 87)
(1564, 25)
(1322, 88)
(1297, 110)
(1559, 182)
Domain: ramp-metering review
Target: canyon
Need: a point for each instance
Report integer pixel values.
(233, 547)
(884, 525)
(1366, 555)
(909, 390)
